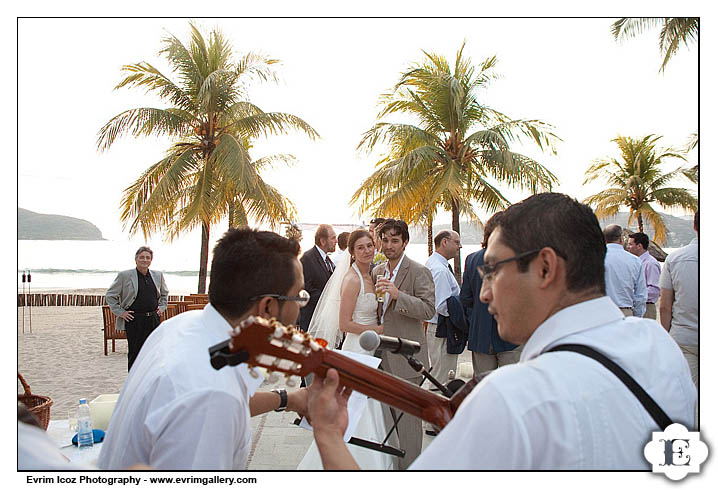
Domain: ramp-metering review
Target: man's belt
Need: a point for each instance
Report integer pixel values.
(148, 313)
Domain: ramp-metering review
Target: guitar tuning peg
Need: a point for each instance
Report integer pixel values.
(297, 338)
(278, 332)
(291, 381)
(253, 373)
(273, 377)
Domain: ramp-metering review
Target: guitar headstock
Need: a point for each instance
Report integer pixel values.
(276, 347)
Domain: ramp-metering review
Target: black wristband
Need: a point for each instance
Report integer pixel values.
(282, 400)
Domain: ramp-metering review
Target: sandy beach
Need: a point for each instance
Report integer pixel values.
(63, 357)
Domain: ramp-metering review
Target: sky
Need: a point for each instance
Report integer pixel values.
(570, 73)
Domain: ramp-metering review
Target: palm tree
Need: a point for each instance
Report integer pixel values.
(674, 32)
(207, 172)
(444, 161)
(637, 182)
(692, 173)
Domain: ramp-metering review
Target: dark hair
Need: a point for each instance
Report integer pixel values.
(377, 221)
(695, 221)
(612, 233)
(356, 235)
(489, 227)
(248, 263)
(640, 238)
(322, 232)
(563, 224)
(397, 226)
(440, 236)
(342, 240)
(144, 249)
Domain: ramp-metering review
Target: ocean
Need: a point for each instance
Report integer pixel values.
(84, 264)
(79, 264)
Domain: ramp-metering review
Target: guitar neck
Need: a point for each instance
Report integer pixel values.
(388, 389)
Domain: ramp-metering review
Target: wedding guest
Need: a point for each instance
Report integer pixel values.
(317, 267)
(342, 241)
(678, 304)
(638, 246)
(137, 297)
(488, 350)
(625, 281)
(447, 245)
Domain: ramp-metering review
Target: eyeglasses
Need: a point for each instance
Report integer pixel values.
(301, 300)
(487, 271)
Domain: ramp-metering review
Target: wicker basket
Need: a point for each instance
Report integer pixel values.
(38, 405)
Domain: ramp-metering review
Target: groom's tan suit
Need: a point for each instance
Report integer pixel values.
(403, 318)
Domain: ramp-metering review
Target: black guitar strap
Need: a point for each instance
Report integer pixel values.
(649, 404)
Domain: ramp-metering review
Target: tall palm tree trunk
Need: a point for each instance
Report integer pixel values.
(203, 258)
(640, 222)
(456, 227)
(231, 215)
(430, 235)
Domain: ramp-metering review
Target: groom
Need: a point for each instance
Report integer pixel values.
(409, 301)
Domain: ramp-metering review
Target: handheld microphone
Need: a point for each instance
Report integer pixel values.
(370, 340)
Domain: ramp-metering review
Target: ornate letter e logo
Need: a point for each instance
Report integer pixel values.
(676, 452)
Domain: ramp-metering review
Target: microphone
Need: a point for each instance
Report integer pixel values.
(370, 340)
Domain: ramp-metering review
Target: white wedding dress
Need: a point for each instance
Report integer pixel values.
(371, 425)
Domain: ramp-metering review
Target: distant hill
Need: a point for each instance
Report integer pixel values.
(680, 230)
(36, 226)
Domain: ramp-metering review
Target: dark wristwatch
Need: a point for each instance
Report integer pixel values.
(282, 400)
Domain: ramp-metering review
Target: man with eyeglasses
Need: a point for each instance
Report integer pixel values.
(543, 280)
(175, 411)
(447, 245)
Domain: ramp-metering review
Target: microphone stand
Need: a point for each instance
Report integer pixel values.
(418, 367)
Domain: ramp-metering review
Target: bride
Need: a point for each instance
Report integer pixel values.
(349, 302)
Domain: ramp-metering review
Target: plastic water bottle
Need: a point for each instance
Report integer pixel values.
(84, 425)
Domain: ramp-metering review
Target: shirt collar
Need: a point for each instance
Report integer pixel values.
(440, 258)
(568, 321)
(212, 319)
(645, 255)
(398, 266)
(614, 246)
(321, 252)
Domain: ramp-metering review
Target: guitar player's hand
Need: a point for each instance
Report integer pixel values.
(327, 406)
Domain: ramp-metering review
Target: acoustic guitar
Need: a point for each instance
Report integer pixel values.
(288, 350)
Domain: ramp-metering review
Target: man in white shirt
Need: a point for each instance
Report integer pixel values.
(679, 299)
(175, 411)
(447, 244)
(625, 279)
(543, 280)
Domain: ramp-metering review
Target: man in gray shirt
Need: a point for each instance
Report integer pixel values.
(678, 303)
